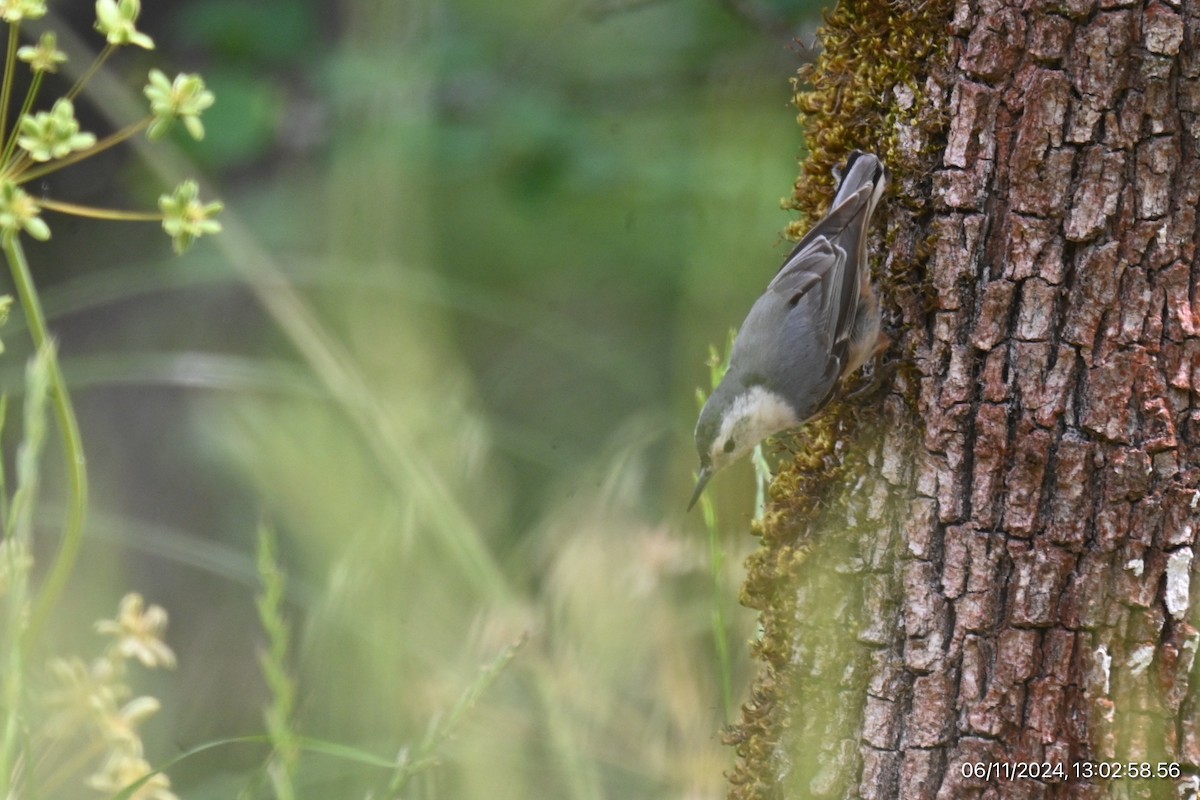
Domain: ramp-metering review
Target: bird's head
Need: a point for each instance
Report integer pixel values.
(737, 416)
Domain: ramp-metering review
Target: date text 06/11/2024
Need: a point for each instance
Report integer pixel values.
(1050, 771)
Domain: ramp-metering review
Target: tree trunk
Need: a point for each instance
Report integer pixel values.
(976, 582)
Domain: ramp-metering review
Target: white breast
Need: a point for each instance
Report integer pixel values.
(754, 415)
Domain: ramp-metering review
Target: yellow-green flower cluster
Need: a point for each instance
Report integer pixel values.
(118, 22)
(20, 212)
(185, 218)
(46, 141)
(137, 632)
(184, 98)
(43, 56)
(17, 10)
(94, 699)
(53, 134)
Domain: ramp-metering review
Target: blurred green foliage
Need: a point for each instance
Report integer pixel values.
(522, 224)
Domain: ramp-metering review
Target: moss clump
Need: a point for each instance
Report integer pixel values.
(869, 90)
(874, 87)
(800, 495)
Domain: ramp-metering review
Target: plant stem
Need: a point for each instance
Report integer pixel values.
(72, 443)
(34, 86)
(3, 475)
(95, 212)
(13, 692)
(18, 532)
(22, 175)
(10, 60)
(720, 630)
(91, 71)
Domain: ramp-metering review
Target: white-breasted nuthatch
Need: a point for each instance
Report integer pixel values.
(817, 322)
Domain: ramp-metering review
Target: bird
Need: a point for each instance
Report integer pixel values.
(817, 322)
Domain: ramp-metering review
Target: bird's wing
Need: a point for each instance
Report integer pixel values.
(826, 258)
(805, 269)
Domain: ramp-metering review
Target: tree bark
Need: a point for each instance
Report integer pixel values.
(978, 581)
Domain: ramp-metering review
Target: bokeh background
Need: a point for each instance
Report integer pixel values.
(448, 347)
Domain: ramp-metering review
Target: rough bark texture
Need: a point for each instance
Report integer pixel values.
(991, 562)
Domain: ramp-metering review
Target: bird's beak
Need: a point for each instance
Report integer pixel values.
(706, 472)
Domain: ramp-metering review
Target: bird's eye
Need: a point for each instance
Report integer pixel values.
(729, 445)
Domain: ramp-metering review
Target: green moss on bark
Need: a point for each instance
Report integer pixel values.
(873, 88)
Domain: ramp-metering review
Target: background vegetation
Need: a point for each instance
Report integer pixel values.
(446, 349)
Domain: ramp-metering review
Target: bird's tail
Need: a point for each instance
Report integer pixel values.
(861, 169)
